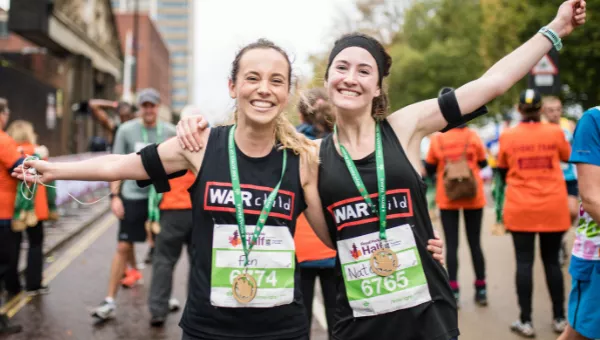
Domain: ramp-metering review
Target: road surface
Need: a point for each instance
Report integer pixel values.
(78, 276)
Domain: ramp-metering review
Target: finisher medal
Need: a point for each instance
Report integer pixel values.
(244, 288)
(384, 262)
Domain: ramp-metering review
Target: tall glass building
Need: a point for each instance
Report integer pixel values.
(174, 19)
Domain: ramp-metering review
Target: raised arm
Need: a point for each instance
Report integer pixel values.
(423, 118)
(96, 106)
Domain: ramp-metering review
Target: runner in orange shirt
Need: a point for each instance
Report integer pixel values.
(536, 202)
(175, 231)
(9, 160)
(22, 132)
(315, 259)
(453, 145)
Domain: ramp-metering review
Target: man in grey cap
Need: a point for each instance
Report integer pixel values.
(129, 202)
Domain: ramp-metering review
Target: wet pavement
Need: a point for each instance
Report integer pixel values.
(78, 279)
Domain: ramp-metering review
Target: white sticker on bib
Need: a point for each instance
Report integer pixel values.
(370, 294)
(272, 264)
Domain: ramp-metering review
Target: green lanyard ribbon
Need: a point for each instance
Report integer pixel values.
(237, 197)
(379, 164)
(154, 198)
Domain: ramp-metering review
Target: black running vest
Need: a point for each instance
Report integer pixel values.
(432, 320)
(210, 206)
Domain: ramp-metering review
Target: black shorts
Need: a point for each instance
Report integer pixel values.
(132, 227)
(572, 188)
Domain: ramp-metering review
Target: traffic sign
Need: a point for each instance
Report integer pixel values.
(545, 66)
(545, 75)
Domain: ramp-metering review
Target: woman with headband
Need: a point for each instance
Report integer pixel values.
(252, 182)
(389, 287)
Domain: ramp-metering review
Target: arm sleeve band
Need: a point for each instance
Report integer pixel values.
(466, 118)
(449, 107)
(155, 170)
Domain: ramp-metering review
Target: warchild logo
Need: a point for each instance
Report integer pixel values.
(219, 197)
(356, 211)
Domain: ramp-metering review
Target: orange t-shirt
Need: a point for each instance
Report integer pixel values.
(308, 245)
(451, 145)
(41, 197)
(536, 195)
(8, 185)
(178, 198)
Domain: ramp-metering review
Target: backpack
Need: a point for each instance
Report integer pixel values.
(459, 180)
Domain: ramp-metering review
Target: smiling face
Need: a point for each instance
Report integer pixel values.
(261, 85)
(149, 113)
(352, 80)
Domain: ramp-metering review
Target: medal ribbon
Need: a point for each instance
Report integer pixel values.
(154, 198)
(379, 164)
(237, 197)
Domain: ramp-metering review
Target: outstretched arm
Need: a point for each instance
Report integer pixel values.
(96, 106)
(426, 117)
(110, 167)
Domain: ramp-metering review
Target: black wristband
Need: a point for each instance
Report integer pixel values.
(449, 107)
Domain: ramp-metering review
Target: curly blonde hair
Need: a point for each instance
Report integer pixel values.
(22, 132)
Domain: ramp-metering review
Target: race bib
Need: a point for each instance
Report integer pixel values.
(370, 294)
(587, 237)
(271, 263)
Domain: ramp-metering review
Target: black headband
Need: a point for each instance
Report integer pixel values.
(362, 42)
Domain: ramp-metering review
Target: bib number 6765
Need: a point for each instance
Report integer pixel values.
(390, 283)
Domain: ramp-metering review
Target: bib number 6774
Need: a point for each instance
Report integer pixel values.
(270, 278)
(390, 283)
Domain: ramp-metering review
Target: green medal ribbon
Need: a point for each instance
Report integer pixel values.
(380, 179)
(237, 197)
(24, 212)
(154, 198)
(498, 192)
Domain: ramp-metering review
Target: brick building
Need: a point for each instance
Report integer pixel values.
(53, 55)
(153, 68)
